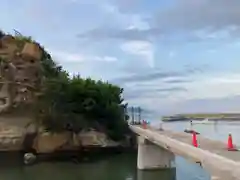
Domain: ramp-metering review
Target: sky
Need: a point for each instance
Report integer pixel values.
(174, 56)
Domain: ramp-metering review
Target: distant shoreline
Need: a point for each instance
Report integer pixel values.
(210, 117)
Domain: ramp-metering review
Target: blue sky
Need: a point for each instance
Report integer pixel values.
(170, 56)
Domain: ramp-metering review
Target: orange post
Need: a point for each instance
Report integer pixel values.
(194, 139)
(230, 145)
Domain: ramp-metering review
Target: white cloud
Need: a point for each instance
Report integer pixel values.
(110, 8)
(87, 65)
(206, 33)
(207, 86)
(143, 49)
(206, 89)
(220, 86)
(78, 57)
(104, 58)
(138, 23)
(128, 21)
(67, 57)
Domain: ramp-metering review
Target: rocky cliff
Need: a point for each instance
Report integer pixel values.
(20, 73)
(20, 84)
(12, 139)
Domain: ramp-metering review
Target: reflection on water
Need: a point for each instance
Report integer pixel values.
(157, 175)
(215, 126)
(119, 167)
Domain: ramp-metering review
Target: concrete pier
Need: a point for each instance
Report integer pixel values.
(212, 155)
(151, 156)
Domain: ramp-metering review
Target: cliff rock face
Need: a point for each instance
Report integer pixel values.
(20, 70)
(20, 84)
(20, 81)
(11, 138)
(49, 142)
(46, 142)
(94, 138)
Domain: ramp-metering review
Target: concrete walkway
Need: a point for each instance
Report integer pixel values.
(211, 154)
(214, 146)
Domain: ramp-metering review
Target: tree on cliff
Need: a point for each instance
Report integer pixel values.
(1, 33)
(74, 103)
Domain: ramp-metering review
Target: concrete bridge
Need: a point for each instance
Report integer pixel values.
(157, 149)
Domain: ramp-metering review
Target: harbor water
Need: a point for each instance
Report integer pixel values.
(121, 166)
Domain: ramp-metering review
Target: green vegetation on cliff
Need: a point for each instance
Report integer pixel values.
(75, 103)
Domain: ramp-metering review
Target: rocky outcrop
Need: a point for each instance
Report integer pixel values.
(20, 70)
(49, 142)
(31, 138)
(29, 158)
(46, 142)
(20, 84)
(11, 138)
(94, 138)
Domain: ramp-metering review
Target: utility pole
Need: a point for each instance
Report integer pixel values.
(132, 111)
(139, 114)
(124, 113)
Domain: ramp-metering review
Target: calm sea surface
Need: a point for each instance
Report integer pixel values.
(119, 167)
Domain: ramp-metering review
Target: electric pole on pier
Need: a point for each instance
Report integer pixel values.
(139, 114)
(132, 112)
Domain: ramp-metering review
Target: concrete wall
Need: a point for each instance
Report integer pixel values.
(151, 156)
